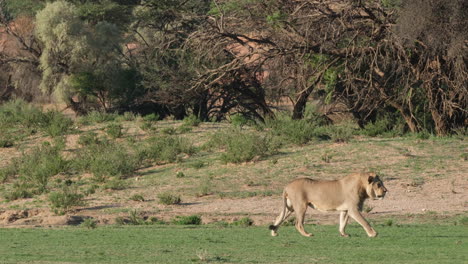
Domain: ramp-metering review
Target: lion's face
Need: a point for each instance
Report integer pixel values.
(376, 189)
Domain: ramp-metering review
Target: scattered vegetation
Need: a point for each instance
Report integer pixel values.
(169, 199)
(64, 200)
(187, 220)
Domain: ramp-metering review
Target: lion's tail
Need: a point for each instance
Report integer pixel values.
(285, 197)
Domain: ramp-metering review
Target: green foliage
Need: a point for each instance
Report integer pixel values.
(240, 120)
(169, 199)
(115, 184)
(35, 168)
(88, 138)
(89, 223)
(6, 141)
(64, 200)
(17, 8)
(342, 132)
(187, 220)
(242, 146)
(297, 132)
(192, 120)
(114, 130)
(97, 117)
(106, 160)
(151, 117)
(165, 149)
(56, 124)
(243, 222)
(137, 198)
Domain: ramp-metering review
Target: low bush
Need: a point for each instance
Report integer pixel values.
(243, 222)
(56, 124)
(169, 199)
(64, 200)
(242, 146)
(291, 131)
(106, 160)
(165, 149)
(36, 167)
(88, 138)
(137, 198)
(89, 223)
(191, 120)
(151, 117)
(114, 130)
(97, 117)
(115, 184)
(187, 220)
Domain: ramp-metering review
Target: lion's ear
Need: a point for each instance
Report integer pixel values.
(370, 179)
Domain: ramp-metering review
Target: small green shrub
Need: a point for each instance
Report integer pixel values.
(137, 198)
(129, 116)
(240, 120)
(191, 120)
(296, 132)
(151, 117)
(147, 126)
(463, 220)
(115, 184)
(114, 130)
(341, 132)
(64, 200)
(388, 222)
(6, 141)
(90, 189)
(106, 160)
(88, 138)
(205, 187)
(165, 149)
(180, 174)
(243, 222)
(89, 223)
(169, 199)
(20, 190)
(169, 131)
(56, 124)
(242, 146)
(187, 220)
(134, 218)
(97, 117)
(36, 167)
(184, 129)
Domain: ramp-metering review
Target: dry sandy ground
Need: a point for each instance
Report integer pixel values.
(437, 198)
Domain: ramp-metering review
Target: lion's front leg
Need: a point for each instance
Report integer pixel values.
(356, 215)
(343, 222)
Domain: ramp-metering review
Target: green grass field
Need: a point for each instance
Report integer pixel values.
(186, 244)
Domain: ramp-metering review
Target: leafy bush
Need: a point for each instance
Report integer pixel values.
(97, 117)
(20, 190)
(239, 120)
(115, 184)
(151, 117)
(114, 130)
(147, 126)
(6, 141)
(88, 138)
(104, 161)
(36, 167)
(341, 132)
(137, 198)
(187, 220)
(19, 113)
(242, 146)
(165, 149)
(293, 131)
(64, 200)
(89, 223)
(243, 222)
(169, 131)
(191, 120)
(169, 199)
(56, 124)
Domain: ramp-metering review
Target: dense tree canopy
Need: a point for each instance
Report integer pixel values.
(404, 62)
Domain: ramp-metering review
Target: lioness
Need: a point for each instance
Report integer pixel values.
(346, 195)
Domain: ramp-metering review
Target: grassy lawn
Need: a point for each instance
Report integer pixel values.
(186, 244)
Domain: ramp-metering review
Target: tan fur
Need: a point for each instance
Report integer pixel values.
(346, 195)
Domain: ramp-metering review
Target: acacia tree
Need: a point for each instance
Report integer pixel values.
(82, 61)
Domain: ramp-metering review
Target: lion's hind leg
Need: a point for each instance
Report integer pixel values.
(300, 215)
(285, 213)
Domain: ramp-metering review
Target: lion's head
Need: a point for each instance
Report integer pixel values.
(375, 189)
